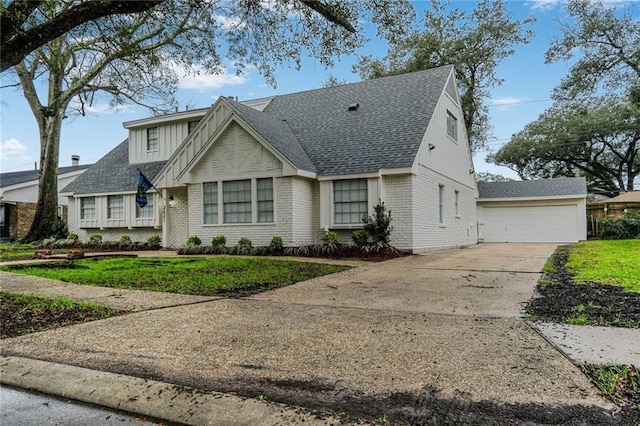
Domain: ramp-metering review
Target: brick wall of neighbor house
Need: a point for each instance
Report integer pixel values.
(259, 234)
(397, 193)
(25, 214)
(431, 235)
(306, 211)
(109, 234)
(13, 222)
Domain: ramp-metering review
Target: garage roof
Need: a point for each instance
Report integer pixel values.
(534, 188)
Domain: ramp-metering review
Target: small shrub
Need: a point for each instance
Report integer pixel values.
(73, 237)
(623, 227)
(60, 230)
(125, 240)
(244, 246)
(219, 241)
(360, 237)
(194, 241)
(154, 241)
(95, 238)
(379, 226)
(276, 243)
(330, 238)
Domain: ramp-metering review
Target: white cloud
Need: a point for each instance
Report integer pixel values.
(507, 102)
(230, 22)
(545, 4)
(102, 108)
(12, 150)
(200, 80)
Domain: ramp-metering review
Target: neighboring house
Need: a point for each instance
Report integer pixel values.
(611, 208)
(549, 210)
(19, 195)
(293, 166)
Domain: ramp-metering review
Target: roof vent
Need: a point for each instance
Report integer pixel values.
(354, 106)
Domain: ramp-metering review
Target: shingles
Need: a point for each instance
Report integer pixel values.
(14, 178)
(113, 173)
(533, 188)
(626, 197)
(385, 131)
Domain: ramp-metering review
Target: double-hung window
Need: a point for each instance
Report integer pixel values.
(236, 197)
(452, 126)
(152, 139)
(349, 201)
(146, 211)
(265, 200)
(210, 202)
(115, 207)
(87, 208)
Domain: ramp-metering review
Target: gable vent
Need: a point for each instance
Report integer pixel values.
(354, 106)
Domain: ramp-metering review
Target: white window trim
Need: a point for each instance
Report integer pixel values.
(157, 139)
(455, 136)
(441, 215)
(358, 225)
(254, 204)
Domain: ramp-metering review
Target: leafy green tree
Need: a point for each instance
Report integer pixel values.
(606, 41)
(474, 43)
(598, 139)
(491, 177)
(136, 58)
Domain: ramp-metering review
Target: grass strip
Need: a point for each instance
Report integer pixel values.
(197, 276)
(22, 314)
(611, 262)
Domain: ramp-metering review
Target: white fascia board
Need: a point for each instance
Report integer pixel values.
(351, 176)
(162, 119)
(398, 171)
(306, 174)
(540, 198)
(98, 194)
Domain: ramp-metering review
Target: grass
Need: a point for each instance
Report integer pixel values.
(22, 314)
(620, 383)
(612, 262)
(198, 276)
(10, 252)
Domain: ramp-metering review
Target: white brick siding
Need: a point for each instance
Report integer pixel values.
(398, 200)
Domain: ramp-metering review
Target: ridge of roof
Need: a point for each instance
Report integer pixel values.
(22, 176)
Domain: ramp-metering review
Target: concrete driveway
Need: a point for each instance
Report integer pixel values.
(420, 339)
(486, 280)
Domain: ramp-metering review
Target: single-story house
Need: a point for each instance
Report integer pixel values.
(611, 208)
(19, 195)
(293, 166)
(548, 210)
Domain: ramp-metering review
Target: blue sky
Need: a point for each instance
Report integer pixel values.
(525, 94)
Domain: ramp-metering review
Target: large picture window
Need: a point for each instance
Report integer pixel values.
(147, 210)
(349, 201)
(88, 208)
(115, 207)
(237, 201)
(210, 202)
(265, 200)
(452, 126)
(152, 139)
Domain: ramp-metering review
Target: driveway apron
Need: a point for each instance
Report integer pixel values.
(395, 338)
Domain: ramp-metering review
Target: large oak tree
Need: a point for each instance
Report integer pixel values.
(137, 58)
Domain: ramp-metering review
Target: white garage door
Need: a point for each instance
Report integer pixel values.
(555, 223)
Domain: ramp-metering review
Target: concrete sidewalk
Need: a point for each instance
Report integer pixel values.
(418, 338)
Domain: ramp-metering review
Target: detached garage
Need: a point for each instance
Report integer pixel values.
(549, 210)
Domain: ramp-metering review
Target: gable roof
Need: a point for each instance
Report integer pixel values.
(576, 186)
(15, 178)
(625, 197)
(384, 131)
(113, 173)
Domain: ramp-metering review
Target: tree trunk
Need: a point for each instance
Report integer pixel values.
(47, 207)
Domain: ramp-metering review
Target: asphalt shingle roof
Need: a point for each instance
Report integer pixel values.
(14, 178)
(626, 197)
(533, 188)
(113, 173)
(385, 131)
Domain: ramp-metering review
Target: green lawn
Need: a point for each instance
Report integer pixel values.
(201, 276)
(10, 252)
(614, 262)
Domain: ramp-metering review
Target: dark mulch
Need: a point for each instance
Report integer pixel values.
(559, 298)
(18, 317)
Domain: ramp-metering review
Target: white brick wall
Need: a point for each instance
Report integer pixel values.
(398, 200)
(306, 211)
(177, 218)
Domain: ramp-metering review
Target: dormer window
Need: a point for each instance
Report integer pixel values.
(152, 139)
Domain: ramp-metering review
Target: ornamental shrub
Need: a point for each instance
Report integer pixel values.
(623, 227)
(125, 240)
(360, 237)
(379, 226)
(73, 237)
(244, 242)
(154, 241)
(219, 241)
(194, 241)
(95, 238)
(276, 243)
(330, 238)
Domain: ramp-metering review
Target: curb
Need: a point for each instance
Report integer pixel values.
(149, 398)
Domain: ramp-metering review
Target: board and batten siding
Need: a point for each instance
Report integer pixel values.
(128, 220)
